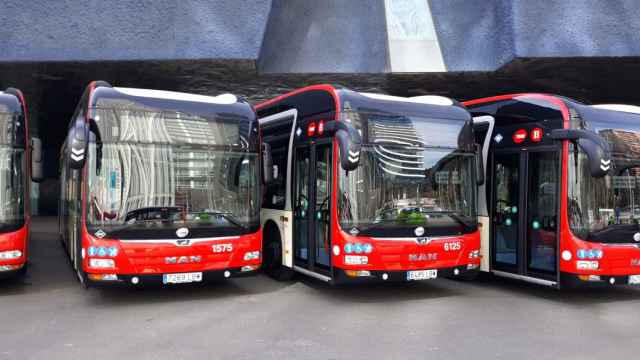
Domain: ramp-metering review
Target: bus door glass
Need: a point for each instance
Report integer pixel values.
(322, 204)
(312, 184)
(525, 212)
(301, 204)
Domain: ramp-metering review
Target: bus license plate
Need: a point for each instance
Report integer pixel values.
(182, 278)
(634, 279)
(422, 274)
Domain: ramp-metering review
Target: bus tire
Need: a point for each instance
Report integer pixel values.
(272, 254)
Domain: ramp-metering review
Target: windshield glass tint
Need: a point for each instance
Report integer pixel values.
(139, 126)
(12, 170)
(156, 186)
(405, 187)
(603, 209)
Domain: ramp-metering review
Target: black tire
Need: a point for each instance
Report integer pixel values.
(272, 255)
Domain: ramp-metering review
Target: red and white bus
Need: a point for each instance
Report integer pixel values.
(17, 151)
(366, 187)
(561, 205)
(160, 187)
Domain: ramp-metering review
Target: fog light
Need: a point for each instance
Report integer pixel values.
(227, 274)
(10, 255)
(472, 266)
(251, 255)
(456, 272)
(135, 280)
(357, 273)
(355, 260)
(248, 268)
(612, 281)
(385, 276)
(102, 263)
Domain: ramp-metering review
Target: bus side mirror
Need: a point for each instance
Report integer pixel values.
(479, 166)
(349, 141)
(36, 160)
(267, 164)
(592, 144)
(78, 144)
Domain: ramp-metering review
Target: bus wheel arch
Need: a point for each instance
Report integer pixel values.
(272, 253)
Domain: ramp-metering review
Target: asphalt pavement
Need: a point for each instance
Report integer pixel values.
(48, 315)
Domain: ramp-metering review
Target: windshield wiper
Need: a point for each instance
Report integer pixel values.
(227, 216)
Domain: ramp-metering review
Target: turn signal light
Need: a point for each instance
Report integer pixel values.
(357, 273)
(102, 277)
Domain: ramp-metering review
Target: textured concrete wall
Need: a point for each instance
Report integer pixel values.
(577, 28)
(301, 36)
(325, 36)
(66, 30)
(484, 35)
(474, 35)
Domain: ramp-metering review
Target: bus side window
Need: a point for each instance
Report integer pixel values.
(275, 192)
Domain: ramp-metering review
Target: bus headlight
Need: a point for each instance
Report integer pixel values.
(102, 263)
(251, 255)
(587, 265)
(474, 254)
(10, 255)
(356, 260)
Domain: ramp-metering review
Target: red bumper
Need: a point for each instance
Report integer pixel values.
(156, 257)
(14, 241)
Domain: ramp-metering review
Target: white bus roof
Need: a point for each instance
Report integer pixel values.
(424, 99)
(224, 99)
(619, 107)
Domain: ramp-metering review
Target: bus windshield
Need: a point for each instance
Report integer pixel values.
(12, 178)
(396, 189)
(607, 209)
(150, 188)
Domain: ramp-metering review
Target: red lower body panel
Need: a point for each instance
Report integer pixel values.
(15, 241)
(157, 257)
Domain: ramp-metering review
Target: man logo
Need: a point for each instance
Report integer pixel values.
(183, 242)
(182, 232)
(423, 240)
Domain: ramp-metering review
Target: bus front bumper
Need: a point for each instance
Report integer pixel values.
(342, 276)
(165, 279)
(575, 280)
(11, 270)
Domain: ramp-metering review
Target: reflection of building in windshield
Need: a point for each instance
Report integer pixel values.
(623, 143)
(390, 136)
(153, 159)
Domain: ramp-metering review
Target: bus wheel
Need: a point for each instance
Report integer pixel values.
(272, 255)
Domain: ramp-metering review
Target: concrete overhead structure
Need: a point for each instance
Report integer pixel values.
(462, 49)
(329, 36)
